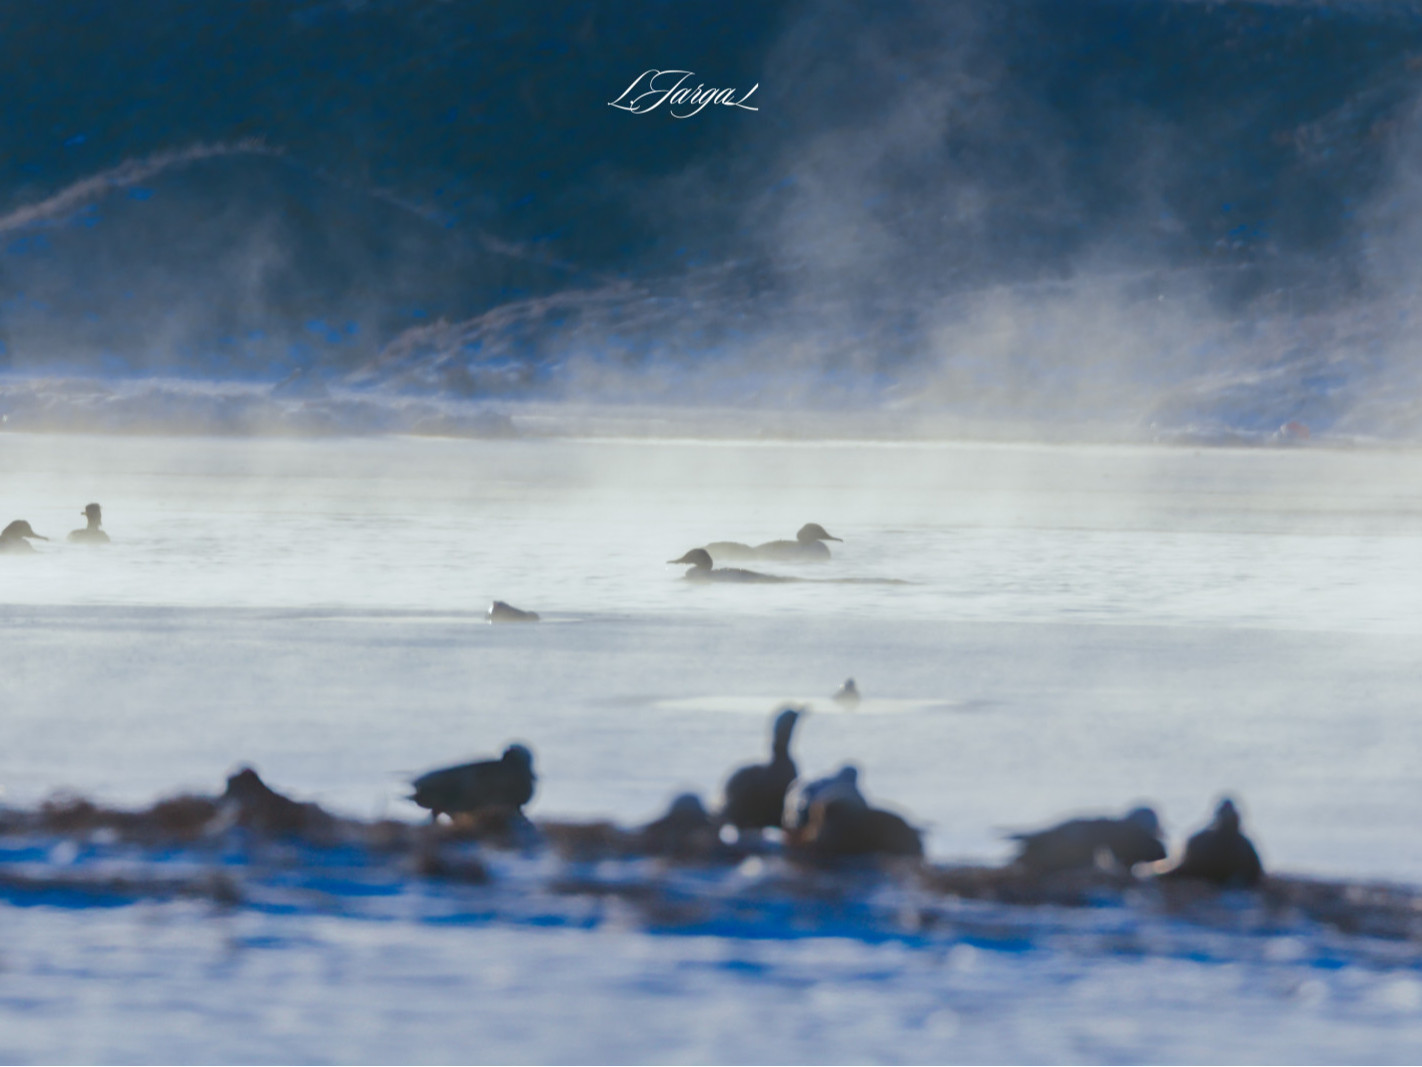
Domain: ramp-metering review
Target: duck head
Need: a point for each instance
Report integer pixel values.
(93, 514)
(1145, 818)
(698, 558)
(813, 531)
(1227, 816)
(520, 758)
(20, 528)
(848, 775)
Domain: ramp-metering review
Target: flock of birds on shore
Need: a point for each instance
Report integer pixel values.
(828, 818)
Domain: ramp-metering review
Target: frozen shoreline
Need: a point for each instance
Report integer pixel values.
(312, 410)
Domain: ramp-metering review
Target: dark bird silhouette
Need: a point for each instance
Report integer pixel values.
(91, 534)
(1220, 854)
(685, 831)
(12, 538)
(808, 547)
(501, 612)
(847, 694)
(263, 810)
(842, 826)
(1082, 843)
(755, 795)
(472, 787)
(702, 571)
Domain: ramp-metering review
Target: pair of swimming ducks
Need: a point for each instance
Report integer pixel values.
(808, 547)
(17, 536)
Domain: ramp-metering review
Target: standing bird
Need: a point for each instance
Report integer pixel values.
(12, 538)
(1220, 854)
(1081, 842)
(472, 787)
(702, 571)
(808, 547)
(847, 695)
(755, 795)
(91, 534)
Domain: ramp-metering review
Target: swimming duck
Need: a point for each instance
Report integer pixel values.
(501, 612)
(91, 534)
(1080, 842)
(847, 694)
(808, 547)
(12, 538)
(1220, 854)
(755, 795)
(702, 571)
(799, 800)
(470, 787)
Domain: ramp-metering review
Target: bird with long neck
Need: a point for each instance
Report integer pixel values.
(755, 795)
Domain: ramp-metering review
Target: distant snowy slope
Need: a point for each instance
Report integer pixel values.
(1147, 212)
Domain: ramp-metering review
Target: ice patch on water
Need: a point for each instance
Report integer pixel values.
(757, 705)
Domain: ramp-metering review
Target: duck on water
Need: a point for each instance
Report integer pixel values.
(702, 571)
(808, 547)
(91, 534)
(13, 537)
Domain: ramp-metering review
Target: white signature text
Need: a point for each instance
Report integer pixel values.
(653, 88)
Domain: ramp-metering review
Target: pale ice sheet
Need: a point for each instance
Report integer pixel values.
(1087, 628)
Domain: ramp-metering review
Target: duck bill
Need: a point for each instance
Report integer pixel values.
(684, 559)
(827, 537)
(39, 537)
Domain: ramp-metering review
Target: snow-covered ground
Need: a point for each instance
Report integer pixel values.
(1085, 628)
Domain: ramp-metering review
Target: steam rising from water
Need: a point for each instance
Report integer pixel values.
(1136, 220)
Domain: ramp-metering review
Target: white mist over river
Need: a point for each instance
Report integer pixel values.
(1084, 628)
